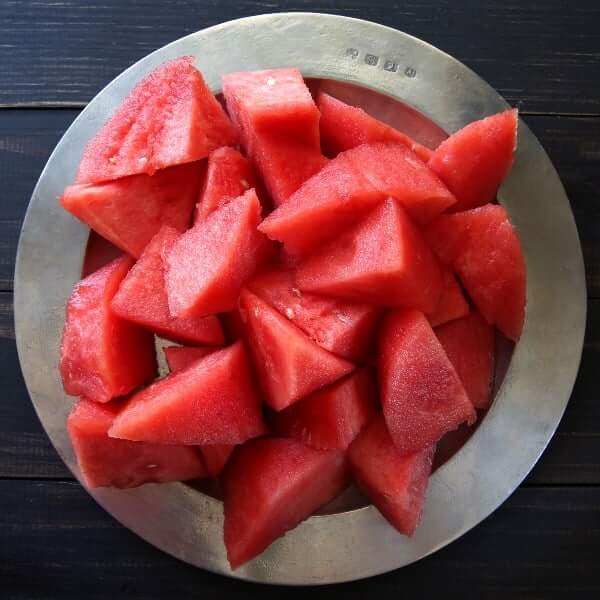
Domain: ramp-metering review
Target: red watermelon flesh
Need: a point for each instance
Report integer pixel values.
(289, 365)
(344, 328)
(484, 250)
(285, 165)
(469, 345)
(395, 483)
(452, 303)
(348, 187)
(270, 486)
(278, 123)
(103, 356)
(142, 299)
(382, 260)
(104, 461)
(332, 417)
(180, 357)
(208, 265)
(216, 457)
(474, 161)
(170, 118)
(272, 101)
(343, 127)
(229, 175)
(129, 212)
(202, 404)
(233, 325)
(421, 393)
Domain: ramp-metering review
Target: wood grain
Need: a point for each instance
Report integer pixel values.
(541, 58)
(533, 547)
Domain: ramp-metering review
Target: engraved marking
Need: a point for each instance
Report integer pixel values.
(371, 59)
(352, 52)
(390, 65)
(410, 72)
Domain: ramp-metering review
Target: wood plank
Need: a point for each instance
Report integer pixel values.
(27, 138)
(573, 456)
(57, 543)
(541, 56)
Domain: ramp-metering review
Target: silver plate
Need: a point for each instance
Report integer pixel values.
(530, 402)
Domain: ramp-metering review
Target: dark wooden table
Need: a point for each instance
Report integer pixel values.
(544, 57)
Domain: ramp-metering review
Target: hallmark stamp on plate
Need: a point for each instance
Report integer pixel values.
(387, 64)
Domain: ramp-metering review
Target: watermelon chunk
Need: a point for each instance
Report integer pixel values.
(98, 253)
(332, 417)
(229, 175)
(203, 404)
(452, 303)
(382, 260)
(288, 364)
(348, 187)
(395, 483)
(181, 357)
(101, 355)
(104, 461)
(344, 127)
(216, 457)
(130, 211)
(270, 486)
(170, 118)
(233, 325)
(469, 345)
(142, 299)
(208, 265)
(474, 161)
(278, 123)
(344, 328)
(484, 250)
(421, 393)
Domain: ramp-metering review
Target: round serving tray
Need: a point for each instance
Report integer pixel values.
(530, 401)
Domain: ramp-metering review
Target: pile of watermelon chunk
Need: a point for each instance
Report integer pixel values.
(333, 289)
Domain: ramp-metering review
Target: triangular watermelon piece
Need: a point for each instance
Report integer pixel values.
(474, 161)
(421, 393)
(452, 303)
(348, 187)
(103, 356)
(469, 344)
(170, 118)
(228, 175)
(484, 250)
(395, 483)
(382, 260)
(181, 357)
(344, 328)
(105, 461)
(344, 127)
(270, 486)
(142, 299)
(203, 404)
(98, 253)
(278, 123)
(216, 457)
(208, 265)
(288, 364)
(332, 417)
(129, 212)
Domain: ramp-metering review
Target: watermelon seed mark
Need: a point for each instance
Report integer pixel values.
(289, 313)
(296, 292)
(270, 81)
(151, 466)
